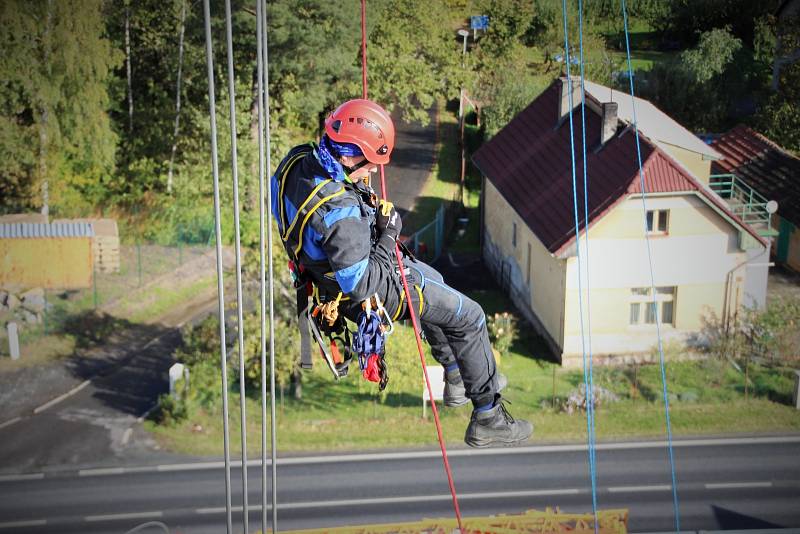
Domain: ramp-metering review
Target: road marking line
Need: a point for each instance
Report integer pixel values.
(436, 454)
(60, 398)
(402, 500)
(18, 478)
(219, 510)
(114, 517)
(101, 472)
(10, 422)
(739, 485)
(18, 524)
(197, 467)
(630, 489)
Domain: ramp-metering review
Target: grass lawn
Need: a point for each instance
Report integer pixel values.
(707, 398)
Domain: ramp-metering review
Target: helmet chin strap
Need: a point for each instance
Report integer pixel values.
(354, 168)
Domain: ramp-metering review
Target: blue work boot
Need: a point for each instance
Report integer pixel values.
(455, 394)
(495, 426)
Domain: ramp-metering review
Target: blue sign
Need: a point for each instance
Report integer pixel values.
(479, 22)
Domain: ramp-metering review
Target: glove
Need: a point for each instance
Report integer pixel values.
(388, 220)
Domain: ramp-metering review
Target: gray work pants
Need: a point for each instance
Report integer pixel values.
(455, 327)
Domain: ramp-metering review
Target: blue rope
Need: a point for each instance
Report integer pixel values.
(590, 388)
(652, 281)
(589, 410)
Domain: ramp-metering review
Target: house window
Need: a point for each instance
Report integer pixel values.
(528, 270)
(514, 234)
(657, 221)
(643, 309)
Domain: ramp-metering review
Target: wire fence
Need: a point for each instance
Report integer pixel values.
(141, 282)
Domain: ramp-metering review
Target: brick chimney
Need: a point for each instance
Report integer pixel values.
(563, 104)
(608, 123)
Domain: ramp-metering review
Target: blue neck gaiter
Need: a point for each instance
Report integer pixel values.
(328, 153)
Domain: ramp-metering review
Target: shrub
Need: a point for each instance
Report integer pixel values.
(502, 331)
(171, 410)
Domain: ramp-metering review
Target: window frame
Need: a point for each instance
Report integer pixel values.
(641, 299)
(655, 219)
(514, 234)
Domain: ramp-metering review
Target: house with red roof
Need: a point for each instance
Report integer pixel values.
(755, 166)
(705, 258)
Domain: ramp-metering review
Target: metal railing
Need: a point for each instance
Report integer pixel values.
(428, 241)
(744, 201)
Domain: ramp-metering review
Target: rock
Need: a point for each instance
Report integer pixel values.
(12, 302)
(34, 303)
(689, 396)
(29, 317)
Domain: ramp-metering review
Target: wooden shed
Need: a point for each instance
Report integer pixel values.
(51, 256)
(105, 243)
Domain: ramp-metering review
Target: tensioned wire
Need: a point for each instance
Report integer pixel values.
(589, 412)
(590, 387)
(273, 419)
(220, 281)
(238, 254)
(652, 279)
(263, 170)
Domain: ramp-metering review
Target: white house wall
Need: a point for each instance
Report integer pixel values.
(535, 287)
(699, 256)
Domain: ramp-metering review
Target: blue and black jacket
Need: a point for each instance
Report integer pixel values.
(329, 227)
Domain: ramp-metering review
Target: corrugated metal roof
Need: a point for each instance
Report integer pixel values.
(35, 230)
(764, 166)
(529, 163)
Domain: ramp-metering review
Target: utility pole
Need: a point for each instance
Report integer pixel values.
(463, 33)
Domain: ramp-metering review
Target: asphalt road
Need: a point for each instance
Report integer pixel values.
(412, 160)
(723, 484)
(94, 425)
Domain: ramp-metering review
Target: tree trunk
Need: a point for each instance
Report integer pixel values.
(128, 66)
(177, 98)
(297, 384)
(43, 115)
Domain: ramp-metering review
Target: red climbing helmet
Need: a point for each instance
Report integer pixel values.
(365, 124)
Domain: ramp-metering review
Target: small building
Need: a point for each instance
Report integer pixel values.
(50, 256)
(705, 258)
(757, 166)
(105, 244)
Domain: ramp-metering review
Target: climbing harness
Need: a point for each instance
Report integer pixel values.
(318, 318)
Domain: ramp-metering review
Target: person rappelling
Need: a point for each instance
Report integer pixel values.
(341, 240)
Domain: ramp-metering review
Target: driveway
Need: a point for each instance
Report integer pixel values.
(412, 161)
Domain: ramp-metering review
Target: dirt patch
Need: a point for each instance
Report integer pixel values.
(783, 283)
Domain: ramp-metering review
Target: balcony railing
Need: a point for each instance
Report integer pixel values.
(744, 201)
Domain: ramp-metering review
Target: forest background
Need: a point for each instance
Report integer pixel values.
(104, 104)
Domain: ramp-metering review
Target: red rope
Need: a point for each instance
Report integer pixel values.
(364, 49)
(411, 311)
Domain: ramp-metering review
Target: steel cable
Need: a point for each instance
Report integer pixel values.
(589, 411)
(238, 254)
(220, 281)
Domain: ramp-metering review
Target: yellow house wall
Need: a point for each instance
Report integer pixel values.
(50, 263)
(544, 295)
(693, 161)
(696, 257)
